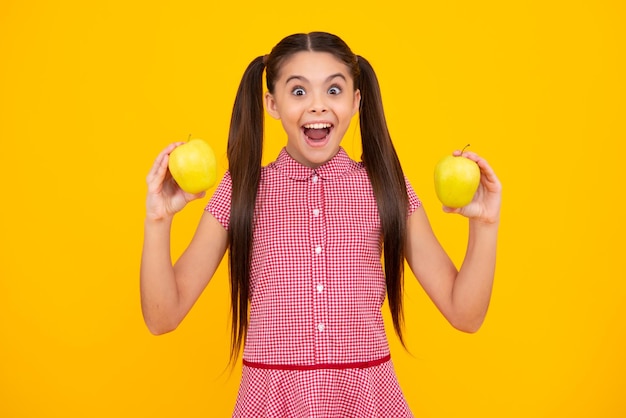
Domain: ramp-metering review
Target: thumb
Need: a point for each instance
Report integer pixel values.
(448, 209)
(198, 195)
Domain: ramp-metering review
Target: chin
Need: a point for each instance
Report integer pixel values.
(320, 156)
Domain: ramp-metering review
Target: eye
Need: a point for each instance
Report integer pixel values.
(334, 90)
(298, 91)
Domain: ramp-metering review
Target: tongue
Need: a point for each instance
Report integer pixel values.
(316, 133)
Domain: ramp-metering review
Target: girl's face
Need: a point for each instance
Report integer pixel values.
(315, 99)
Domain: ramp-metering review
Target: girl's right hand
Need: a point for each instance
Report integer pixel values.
(165, 198)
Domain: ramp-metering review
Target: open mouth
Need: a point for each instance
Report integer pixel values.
(317, 133)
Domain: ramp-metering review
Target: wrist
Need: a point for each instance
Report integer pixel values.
(487, 222)
(157, 221)
(484, 227)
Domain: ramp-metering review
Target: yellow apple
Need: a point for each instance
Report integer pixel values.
(456, 180)
(193, 166)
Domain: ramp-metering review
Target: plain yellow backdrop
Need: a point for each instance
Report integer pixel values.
(90, 92)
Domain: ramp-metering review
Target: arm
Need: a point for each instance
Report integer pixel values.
(462, 296)
(169, 291)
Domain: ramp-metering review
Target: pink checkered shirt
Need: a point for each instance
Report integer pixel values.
(317, 284)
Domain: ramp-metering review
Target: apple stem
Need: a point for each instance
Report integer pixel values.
(189, 137)
(464, 148)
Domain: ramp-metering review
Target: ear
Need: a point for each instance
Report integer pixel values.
(271, 106)
(357, 102)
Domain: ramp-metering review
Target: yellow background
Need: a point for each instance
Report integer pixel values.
(90, 92)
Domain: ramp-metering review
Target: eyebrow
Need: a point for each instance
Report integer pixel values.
(302, 78)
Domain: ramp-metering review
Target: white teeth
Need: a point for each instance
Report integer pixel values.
(317, 125)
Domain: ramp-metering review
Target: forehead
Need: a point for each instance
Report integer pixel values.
(313, 66)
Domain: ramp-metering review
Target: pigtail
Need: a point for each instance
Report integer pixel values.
(245, 148)
(388, 182)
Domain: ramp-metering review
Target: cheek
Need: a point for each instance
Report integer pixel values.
(349, 110)
(291, 123)
(292, 113)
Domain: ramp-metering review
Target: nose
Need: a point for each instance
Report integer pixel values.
(318, 106)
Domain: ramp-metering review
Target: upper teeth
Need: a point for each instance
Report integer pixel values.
(317, 125)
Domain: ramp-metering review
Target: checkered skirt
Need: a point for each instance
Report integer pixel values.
(321, 393)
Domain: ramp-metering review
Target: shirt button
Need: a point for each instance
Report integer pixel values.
(318, 249)
(314, 178)
(320, 327)
(320, 288)
(316, 212)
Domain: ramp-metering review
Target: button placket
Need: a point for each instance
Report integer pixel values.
(317, 233)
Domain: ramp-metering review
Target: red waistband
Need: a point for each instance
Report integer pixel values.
(356, 365)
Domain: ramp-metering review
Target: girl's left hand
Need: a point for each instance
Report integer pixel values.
(485, 206)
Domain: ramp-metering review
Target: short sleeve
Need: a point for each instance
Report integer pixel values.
(414, 201)
(219, 204)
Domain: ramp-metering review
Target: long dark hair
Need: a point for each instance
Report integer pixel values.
(245, 147)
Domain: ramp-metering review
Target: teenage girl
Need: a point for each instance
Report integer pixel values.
(305, 236)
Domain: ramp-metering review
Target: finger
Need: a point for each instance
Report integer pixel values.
(484, 166)
(158, 170)
(471, 155)
(168, 150)
(189, 196)
(448, 209)
(467, 154)
(159, 167)
(488, 175)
